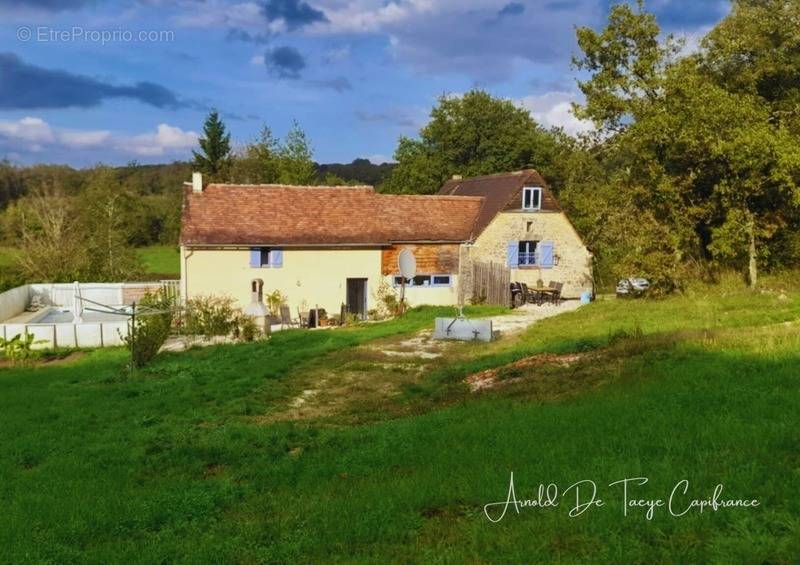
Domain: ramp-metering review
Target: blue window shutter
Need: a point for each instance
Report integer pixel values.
(546, 253)
(255, 257)
(276, 258)
(513, 254)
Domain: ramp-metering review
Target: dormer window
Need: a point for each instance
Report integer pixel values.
(532, 198)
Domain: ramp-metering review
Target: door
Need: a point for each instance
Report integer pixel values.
(357, 297)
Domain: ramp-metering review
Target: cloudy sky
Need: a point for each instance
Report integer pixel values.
(87, 81)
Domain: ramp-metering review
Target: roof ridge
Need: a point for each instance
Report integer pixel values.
(520, 172)
(297, 186)
(436, 196)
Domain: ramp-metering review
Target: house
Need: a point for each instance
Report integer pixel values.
(328, 246)
(522, 226)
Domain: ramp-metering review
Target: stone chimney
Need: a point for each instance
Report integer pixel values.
(197, 183)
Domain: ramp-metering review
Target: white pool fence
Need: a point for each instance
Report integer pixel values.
(62, 295)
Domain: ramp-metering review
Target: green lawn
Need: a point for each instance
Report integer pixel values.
(196, 459)
(161, 260)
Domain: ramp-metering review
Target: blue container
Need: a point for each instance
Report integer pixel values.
(586, 297)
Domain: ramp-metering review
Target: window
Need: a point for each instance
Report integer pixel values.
(532, 198)
(424, 280)
(261, 257)
(527, 252)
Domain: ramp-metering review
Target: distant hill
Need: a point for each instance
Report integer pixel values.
(360, 170)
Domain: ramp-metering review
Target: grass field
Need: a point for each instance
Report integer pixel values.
(156, 259)
(161, 260)
(223, 455)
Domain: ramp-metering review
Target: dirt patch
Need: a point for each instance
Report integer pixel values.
(491, 378)
(49, 361)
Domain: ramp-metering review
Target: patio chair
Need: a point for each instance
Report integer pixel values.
(286, 318)
(555, 296)
(518, 297)
(532, 297)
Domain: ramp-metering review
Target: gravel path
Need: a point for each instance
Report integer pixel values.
(529, 314)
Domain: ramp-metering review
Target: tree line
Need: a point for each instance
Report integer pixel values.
(692, 166)
(694, 161)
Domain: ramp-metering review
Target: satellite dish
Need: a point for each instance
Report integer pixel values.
(407, 264)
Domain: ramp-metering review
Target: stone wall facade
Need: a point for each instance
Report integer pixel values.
(574, 268)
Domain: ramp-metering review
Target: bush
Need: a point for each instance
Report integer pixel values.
(216, 315)
(210, 315)
(150, 329)
(19, 349)
(388, 300)
(245, 328)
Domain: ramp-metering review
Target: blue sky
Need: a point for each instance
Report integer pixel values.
(87, 81)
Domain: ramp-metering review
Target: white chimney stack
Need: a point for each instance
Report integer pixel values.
(197, 183)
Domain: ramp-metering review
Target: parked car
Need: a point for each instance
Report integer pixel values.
(632, 288)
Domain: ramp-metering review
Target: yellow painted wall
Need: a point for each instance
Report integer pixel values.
(308, 277)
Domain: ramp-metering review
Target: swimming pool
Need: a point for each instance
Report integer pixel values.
(60, 316)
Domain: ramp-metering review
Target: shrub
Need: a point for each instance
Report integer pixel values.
(389, 302)
(216, 315)
(19, 349)
(150, 329)
(274, 300)
(210, 315)
(245, 328)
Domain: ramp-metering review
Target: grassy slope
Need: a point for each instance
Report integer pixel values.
(156, 259)
(172, 465)
(160, 259)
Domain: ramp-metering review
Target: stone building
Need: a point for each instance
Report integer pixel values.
(521, 225)
(333, 246)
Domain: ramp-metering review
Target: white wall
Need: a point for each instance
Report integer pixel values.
(13, 302)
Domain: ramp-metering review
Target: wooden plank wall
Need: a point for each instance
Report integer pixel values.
(432, 258)
(491, 284)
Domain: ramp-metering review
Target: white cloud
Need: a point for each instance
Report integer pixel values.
(167, 139)
(554, 109)
(73, 138)
(31, 134)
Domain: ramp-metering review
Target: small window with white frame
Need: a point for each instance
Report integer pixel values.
(532, 198)
(424, 280)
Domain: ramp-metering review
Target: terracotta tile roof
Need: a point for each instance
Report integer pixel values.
(502, 192)
(291, 215)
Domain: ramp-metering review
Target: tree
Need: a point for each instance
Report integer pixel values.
(50, 237)
(214, 160)
(754, 51)
(474, 134)
(627, 63)
(295, 158)
(107, 213)
(257, 163)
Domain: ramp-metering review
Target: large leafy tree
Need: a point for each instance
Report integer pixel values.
(215, 148)
(473, 134)
(106, 219)
(626, 63)
(701, 147)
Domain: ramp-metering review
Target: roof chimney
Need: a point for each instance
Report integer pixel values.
(457, 177)
(197, 183)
